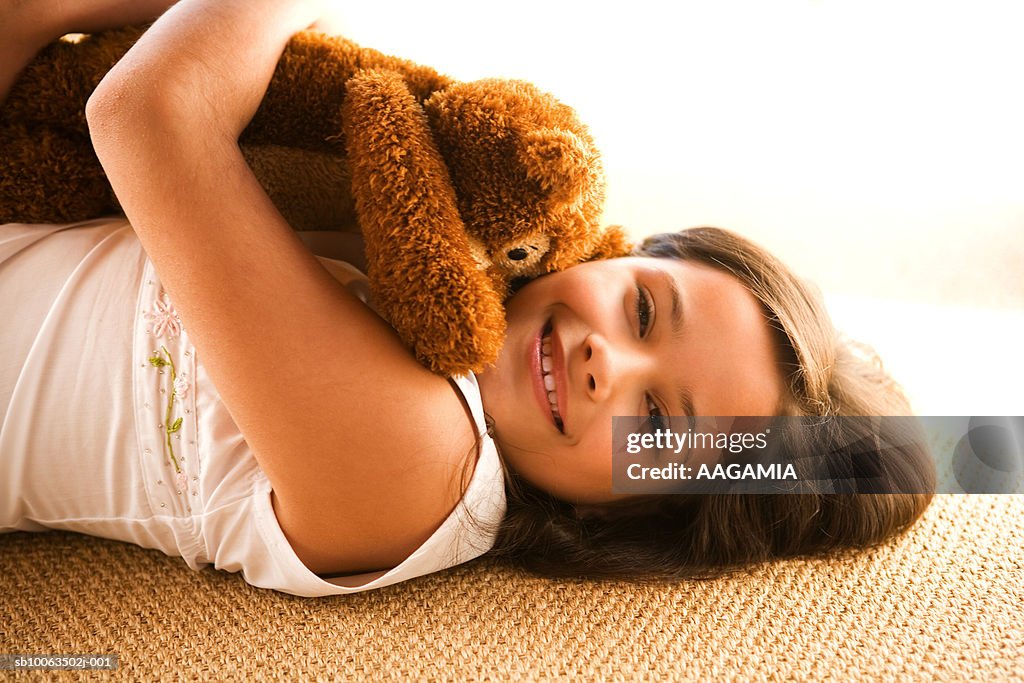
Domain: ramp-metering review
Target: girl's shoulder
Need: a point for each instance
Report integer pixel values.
(388, 487)
(437, 452)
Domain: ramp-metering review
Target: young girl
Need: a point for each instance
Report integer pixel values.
(194, 379)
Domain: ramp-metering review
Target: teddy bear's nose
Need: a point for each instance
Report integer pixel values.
(517, 254)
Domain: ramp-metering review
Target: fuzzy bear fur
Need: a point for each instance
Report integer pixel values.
(459, 189)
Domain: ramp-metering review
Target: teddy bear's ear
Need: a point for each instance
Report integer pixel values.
(562, 162)
(612, 243)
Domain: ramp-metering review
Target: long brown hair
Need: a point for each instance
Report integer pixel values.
(702, 536)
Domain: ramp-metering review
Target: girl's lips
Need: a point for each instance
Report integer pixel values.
(557, 373)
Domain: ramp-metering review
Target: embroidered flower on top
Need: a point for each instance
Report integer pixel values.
(181, 386)
(165, 322)
(164, 318)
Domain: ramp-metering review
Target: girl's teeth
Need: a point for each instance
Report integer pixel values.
(549, 382)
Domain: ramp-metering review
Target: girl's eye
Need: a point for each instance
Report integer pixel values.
(657, 418)
(644, 308)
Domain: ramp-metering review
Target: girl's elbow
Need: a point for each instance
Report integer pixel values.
(107, 111)
(97, 110)
(119, 113)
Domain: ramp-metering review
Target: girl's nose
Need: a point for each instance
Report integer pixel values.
(606, 367)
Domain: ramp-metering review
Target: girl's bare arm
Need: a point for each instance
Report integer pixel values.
(361, 444)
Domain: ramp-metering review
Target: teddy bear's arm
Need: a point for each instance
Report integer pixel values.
(424, 279)
(303, 103)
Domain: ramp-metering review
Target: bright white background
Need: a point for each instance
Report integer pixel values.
(878, 147)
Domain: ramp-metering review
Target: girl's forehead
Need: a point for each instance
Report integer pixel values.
(631, 263)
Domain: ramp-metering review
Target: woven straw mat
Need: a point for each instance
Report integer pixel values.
(943, 602)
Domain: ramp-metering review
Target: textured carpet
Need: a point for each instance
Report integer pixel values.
(943, 602)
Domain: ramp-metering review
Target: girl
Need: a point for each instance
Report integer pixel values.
(196, 380)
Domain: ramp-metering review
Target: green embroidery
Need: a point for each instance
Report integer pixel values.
(158, 361)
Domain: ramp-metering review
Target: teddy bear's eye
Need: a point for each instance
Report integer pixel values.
(519, 253)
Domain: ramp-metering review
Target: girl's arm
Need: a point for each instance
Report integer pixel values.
(361, 444)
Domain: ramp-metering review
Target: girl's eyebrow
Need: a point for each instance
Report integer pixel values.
(686, 402)
(678, 316)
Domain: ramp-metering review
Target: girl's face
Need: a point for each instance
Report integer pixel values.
(626, 336)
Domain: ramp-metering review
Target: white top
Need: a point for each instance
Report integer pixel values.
(111, 426)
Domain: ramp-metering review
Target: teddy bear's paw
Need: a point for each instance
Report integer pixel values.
(451, 350)
(476, 355)
(450, 316)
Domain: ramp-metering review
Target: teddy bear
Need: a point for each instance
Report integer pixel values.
(460, 190)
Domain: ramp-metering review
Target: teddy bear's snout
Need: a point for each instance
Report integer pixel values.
(523, 257)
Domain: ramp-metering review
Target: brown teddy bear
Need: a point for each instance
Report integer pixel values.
(458, 189)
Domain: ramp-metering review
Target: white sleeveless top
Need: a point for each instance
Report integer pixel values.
(110, 426)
